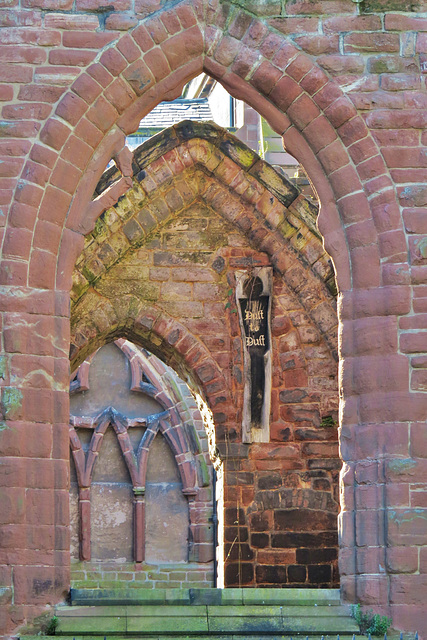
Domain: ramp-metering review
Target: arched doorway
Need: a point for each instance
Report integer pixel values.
(375, 377)
(168, 266)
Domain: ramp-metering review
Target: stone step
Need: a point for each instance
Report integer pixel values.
(294, 636)
(199, 620)
(259, 596)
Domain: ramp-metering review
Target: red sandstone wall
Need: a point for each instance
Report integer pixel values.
(354, 96)
(277, 496)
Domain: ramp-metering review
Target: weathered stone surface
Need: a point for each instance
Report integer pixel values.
(184, 281)
(355, 118)
(114, 531)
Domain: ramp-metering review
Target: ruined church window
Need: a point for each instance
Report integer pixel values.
(135, 474)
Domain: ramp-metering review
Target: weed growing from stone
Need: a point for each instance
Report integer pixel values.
(370, 622)
(50, 629)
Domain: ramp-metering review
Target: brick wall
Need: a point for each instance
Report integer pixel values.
(344, 84)
(141, 576)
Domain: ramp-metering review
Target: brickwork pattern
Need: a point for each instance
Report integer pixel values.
(345, 86)
(141, 576)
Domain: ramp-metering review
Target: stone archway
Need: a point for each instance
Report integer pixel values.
(375, 375)
(190, 163)
(161, 267)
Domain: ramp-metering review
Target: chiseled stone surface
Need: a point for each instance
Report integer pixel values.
(344, 83)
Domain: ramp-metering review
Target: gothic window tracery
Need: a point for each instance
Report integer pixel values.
(149, 434)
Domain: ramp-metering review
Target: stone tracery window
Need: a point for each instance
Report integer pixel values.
(136, 473)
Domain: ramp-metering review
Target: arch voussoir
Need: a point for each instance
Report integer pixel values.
(151, 63)
(103, 320)
(246, 192)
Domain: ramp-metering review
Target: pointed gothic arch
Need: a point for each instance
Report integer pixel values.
(135, 73)
(169, 176)
(375, 387)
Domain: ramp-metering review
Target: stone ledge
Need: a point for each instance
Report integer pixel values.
(218, 597)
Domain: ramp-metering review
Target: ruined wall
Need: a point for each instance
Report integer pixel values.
(344, 83)
(164, 246)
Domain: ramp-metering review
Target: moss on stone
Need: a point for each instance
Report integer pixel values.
(384, 64)
(286, 229)
(154, 148)
(80, 285)
(119, 243)
(332, 285)
(93, 270)
(123, 208)
(238, 152)
(3, 367)
(100, 231)
(203, 471)
(11, 402)
(118, 287)
(402, 465)
(277, 184)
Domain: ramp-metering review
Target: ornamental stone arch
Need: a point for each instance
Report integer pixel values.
(189, 163)
(177, 424)
(155, 331)
(184, 167)
(160, 267)
(275, 78)
(359, 218)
